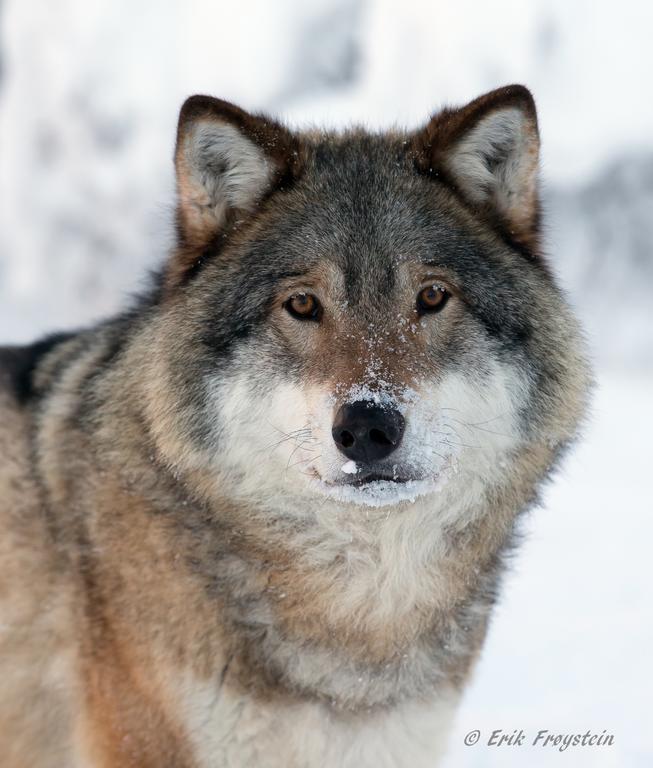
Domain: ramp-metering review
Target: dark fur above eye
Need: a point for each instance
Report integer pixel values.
(303, 306)
(432, 299)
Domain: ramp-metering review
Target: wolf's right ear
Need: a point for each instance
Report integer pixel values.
(226, 160)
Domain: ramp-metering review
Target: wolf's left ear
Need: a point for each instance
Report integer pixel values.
(226, 161)
(489, 152)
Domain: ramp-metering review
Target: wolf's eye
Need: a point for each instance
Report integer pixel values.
(432, 299)
(303, 306)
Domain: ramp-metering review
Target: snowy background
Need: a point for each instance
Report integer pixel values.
(89, 93)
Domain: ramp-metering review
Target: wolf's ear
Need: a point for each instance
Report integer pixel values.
(489, 152)
(226, 160)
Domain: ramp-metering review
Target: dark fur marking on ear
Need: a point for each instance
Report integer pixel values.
(20, 363)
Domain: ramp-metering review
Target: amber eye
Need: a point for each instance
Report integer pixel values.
(303, 306)
(432, 299)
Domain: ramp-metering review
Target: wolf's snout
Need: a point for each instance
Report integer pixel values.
(367, 432)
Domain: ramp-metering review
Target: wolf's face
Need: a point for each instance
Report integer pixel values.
(365, 317)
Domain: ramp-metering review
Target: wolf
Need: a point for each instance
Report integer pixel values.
(260, 518)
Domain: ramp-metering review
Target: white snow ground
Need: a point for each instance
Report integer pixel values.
(569, 648)
(89, 91)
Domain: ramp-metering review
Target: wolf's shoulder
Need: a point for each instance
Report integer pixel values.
(18, 367)
(19, 396)
(19, 364)
(18, 493)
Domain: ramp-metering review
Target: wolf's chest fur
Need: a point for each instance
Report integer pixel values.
(358, 610)
(357, 659)
(412, 733)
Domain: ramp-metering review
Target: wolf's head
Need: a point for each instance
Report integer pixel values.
(366, 317)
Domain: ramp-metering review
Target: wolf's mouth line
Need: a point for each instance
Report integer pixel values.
(375, 477)
(368, 480)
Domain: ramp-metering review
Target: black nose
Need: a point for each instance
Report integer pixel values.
(366, 432)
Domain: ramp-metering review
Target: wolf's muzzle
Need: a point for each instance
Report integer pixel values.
(367, 432)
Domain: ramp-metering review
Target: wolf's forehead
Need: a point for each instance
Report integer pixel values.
(362, 211)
